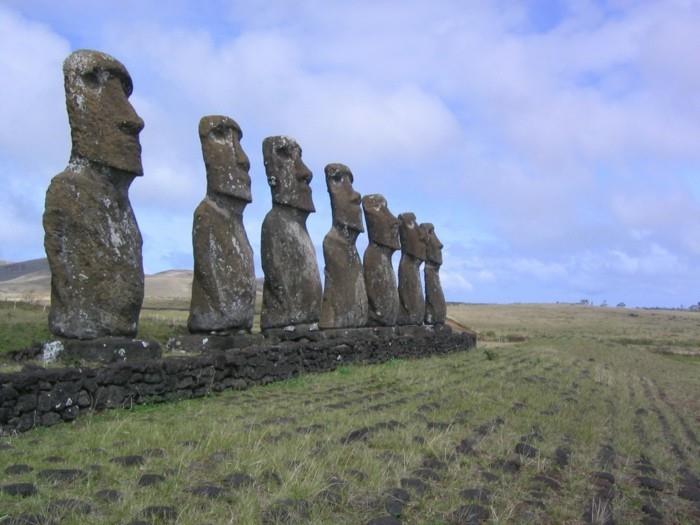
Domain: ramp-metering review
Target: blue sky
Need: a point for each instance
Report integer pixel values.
(554, 145)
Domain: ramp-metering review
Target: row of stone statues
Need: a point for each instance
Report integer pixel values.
(94, 245)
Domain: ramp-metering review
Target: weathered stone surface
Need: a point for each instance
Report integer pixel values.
(297, 332)
(292, 288)
(109, 350)
(435, 306)
(223, 287)
(92, 240)
(411, 300)
(380, 280)
(209, 343)
(344, 296)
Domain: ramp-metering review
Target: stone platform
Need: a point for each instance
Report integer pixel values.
(40, 396)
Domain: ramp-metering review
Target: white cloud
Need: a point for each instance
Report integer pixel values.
(34, 126)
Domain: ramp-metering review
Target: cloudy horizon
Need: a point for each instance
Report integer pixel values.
(555, 145)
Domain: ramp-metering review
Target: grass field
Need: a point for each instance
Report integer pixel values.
(563, 415)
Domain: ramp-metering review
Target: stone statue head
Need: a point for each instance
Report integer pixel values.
(226, 162)
(104, 126)
(382, 226)
(287, 175)
(412, 237)
(433, 246)
(345, 201)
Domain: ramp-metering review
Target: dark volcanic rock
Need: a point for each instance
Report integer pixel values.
(286, 511)
(61, 475)
(689, 492)
(435, 306)
(14, 470)
(29, 519)
(92, 240)
(480, 495)
(223, 286)
(650, 483)
(466, 446)
(108, 495)
(418, 486)
(205, 490)
(469, 515)
(561, 456)
(361, 434)
(427, 474)
(395, 501)
(509, 466)
(128, 461)
(344, 302)
(240, 479)
(150, 479)
(292, 288)
(548, 481)
(380, 280)
(526, 450)
(23, 490)
(411, 299)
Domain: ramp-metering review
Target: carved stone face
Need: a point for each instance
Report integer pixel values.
(345, 201)
(382, 226)
(287, 175)
(412, 237)
(226, 162)
(433, 245)
(104, 126)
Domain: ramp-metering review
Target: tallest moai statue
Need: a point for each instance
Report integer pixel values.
(92, 240)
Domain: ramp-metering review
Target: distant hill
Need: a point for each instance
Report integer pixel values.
(10, 271)
(32, 282)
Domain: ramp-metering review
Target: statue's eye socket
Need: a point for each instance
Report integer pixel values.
(283, 151)
(91, 79)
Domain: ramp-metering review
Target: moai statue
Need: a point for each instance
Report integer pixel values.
(380, 281)
(92, 240)
(411, 300)
(292, 287)
(223, 289)
(435, 307)
(344, 295)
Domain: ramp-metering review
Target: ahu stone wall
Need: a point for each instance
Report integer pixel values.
(46, 396)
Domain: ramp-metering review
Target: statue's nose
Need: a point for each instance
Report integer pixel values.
(304, 173)
(243, 161)
(132, 125)
(356, 198)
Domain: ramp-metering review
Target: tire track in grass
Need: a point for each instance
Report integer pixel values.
(647, 487)
(689, 433)
(600, 508)
(689, 485)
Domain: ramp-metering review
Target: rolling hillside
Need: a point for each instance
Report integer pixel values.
(30, 281)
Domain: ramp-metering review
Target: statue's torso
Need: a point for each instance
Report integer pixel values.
(344, 295)
(380, 282)
(292, 288)
(435, 306)
(412, 302)
(93, 245)
(223, 287)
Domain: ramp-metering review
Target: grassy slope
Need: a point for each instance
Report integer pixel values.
(583, 379)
